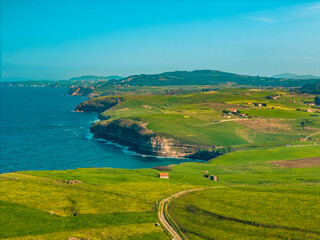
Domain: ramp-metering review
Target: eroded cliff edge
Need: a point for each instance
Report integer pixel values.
(136, 135)
(139, 138)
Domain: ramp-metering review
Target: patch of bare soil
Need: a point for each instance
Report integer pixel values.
(147, 106)
(266, 125)
(223, 106)
(255, 90)
(123, 109)
(298, 163)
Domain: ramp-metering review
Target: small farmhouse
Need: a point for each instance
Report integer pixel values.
(164, 175)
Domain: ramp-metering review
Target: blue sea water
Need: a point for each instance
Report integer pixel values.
(40, 131)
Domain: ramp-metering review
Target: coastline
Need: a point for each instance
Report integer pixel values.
(136, 136)
(54, 137)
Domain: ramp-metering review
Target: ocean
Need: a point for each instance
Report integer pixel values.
(40, 131)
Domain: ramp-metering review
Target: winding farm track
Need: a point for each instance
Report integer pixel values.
(162, 206)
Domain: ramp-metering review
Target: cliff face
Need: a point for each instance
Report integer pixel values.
(80, 91)
(135, 134)
(140, 139)
(99, 104)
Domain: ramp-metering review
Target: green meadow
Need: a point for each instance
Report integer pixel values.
(198, 118)
(122, 204)
(250, 212)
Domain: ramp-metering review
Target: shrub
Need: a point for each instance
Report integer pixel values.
(162, 168)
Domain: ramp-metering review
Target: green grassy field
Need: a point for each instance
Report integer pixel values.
(268, 212)
(197, 119)
(122, 204)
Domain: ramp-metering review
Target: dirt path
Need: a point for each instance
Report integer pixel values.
(235, 120)
(311, 135)
(226, 120)
(162, 207)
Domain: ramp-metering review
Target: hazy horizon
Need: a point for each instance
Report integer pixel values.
(63, 39)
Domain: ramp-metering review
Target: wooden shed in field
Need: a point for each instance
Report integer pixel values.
(164, 175)
(214, 178)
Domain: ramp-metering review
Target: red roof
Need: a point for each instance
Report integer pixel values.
(163, 174)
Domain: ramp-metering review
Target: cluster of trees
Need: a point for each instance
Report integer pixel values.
(311, 88)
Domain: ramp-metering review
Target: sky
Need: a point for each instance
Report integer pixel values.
(60, 39)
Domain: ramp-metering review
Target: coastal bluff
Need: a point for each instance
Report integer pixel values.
(133, 133)
(140, 139)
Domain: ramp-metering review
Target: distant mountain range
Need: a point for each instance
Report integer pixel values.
(295, 76)
(94, 78)
(17, 79)
(197, 77)
(81, 78)
(204, 77)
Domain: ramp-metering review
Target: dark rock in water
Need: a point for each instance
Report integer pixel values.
(205, 155)
(80, 91)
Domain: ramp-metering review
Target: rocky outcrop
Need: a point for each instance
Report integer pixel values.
(98, 104)
(81, 91)
(139, 138)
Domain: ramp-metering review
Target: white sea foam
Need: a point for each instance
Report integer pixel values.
(89, 135)
(125, 149)
(96, 120)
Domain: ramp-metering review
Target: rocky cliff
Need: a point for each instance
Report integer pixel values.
(98, 104)
(81, 91)
(136, 135)
(140, 139)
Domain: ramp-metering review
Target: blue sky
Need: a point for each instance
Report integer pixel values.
(61, 39)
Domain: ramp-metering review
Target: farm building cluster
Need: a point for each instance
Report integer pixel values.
(211, 177)
(228, 113)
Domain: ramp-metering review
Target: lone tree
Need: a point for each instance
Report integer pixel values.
(317, 100)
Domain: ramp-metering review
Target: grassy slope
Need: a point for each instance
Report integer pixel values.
(269, 212)
(284, 197)
(117, 197)
(194, 118)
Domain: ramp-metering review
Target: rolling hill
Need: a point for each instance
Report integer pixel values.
(202, 77)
